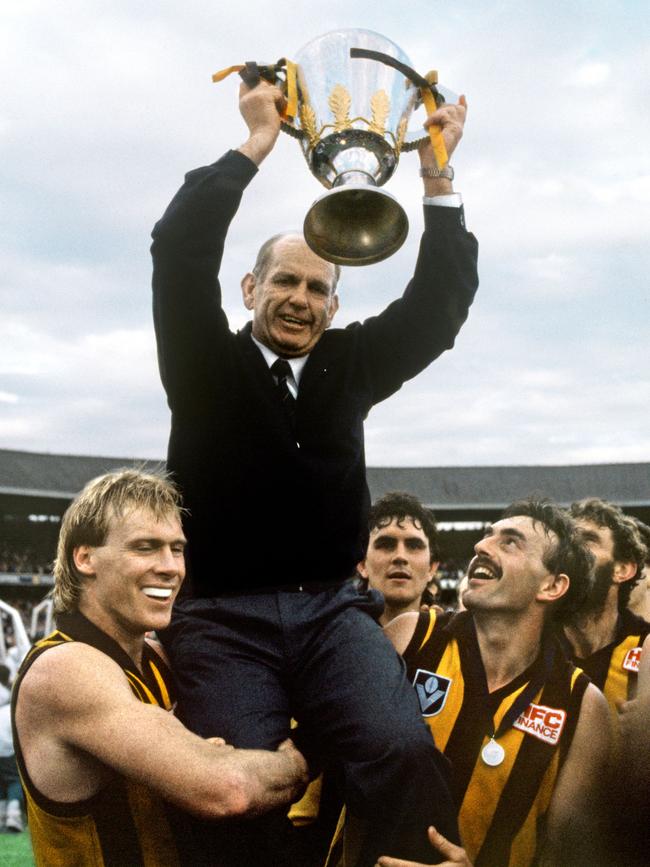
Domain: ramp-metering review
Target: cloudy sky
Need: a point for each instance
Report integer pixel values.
(104, 106)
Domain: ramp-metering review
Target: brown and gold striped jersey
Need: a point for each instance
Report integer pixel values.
(501, 805)
(125, 824)
(614, 668)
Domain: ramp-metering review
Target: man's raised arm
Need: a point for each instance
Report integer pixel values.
(415, 329)
(188, 242)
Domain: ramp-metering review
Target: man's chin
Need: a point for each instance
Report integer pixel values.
(396, 600)
(290, 348)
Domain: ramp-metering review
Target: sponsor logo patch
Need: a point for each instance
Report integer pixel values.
(432, 691)
(632, 659)
(545, 723)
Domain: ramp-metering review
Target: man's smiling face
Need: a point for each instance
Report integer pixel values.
(134, 577)
(508, 568)
(294, 300)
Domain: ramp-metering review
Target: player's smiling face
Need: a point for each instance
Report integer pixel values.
(398, 563)
(132, 580)
(508, 568)
(294, 301)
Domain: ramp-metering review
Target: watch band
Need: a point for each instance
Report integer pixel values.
(447, 172)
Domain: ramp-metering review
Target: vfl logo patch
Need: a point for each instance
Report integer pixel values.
(632, 659)
(432, 691)
(545, 723)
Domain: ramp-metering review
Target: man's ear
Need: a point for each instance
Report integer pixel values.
(248, 284)
(623, 571)
(334, 306)
(361, 569)
(82, 557)
(433, 568)
(553, 588)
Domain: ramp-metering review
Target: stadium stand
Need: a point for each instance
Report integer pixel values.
(35, 489)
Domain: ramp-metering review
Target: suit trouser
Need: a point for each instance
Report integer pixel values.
(246, 665)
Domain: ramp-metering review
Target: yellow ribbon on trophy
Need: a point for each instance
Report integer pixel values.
(435, 132)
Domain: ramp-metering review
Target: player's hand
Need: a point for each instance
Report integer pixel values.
(450, 117)
(299, 762)
(260, 108)
(455, 855)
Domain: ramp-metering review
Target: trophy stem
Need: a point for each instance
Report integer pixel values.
(354, 177)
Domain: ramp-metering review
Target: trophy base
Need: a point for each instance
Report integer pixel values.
(355, 224)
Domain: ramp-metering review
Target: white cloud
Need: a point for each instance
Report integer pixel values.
(592, 74)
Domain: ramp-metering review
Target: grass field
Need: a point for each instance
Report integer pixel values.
(16, 850)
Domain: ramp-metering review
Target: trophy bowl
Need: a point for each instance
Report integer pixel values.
(352, 119)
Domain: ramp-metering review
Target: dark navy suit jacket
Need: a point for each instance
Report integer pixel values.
(268, 507)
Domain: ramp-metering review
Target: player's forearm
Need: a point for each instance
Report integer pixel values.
(272, 779)
(241, 782)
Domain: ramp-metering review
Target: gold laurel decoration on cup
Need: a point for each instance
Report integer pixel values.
(339, 103)
(308, 123)
(401, 133)
(380, 106)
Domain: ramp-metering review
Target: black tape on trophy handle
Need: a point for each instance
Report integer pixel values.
(417, 79)
(253, 72)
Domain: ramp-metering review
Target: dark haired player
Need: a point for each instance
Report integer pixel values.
(526, 733)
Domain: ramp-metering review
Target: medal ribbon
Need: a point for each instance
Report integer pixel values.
(526, 695)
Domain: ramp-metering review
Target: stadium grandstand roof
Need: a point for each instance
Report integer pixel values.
(447, 490)
(37, 474)
(468, 488)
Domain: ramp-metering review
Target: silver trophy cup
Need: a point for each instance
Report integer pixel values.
(352, 120)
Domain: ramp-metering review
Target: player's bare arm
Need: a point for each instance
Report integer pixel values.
(78, 722)
(571, 829)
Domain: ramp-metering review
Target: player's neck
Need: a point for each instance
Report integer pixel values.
(507, 648)
(390, 612)
(592, 631)
(131, 644)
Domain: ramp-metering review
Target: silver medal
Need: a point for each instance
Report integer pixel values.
(493, 753)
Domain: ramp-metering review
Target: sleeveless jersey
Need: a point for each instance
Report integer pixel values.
(125, 824)
(500, 807)
(614, 668)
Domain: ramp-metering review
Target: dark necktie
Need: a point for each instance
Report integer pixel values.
(281, 369)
